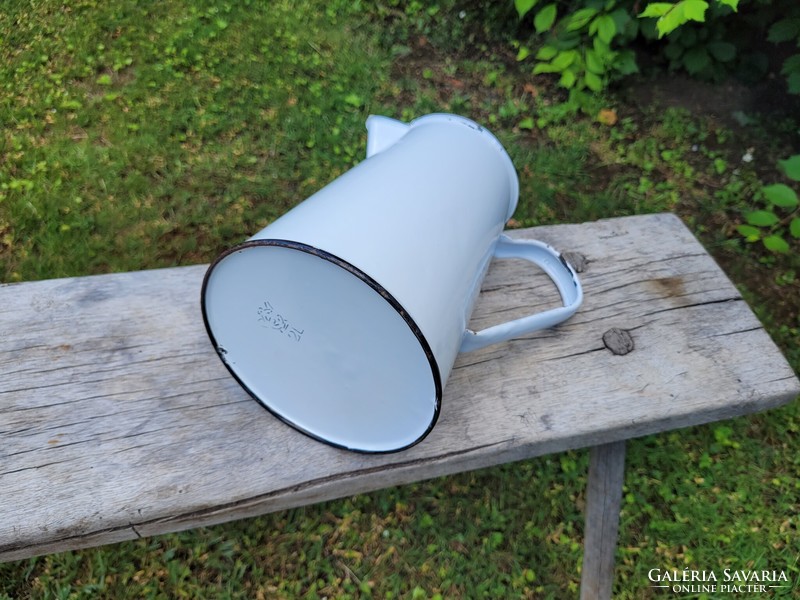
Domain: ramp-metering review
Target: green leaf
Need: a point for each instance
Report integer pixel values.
(696, 59)
(567, 79)
(625, 63)
(749, 232)
(791, 166)
(793, 81)
(104, 79)
(606, 28)
(791, 65)
(656, 9)
(623, 21)
(545, 68)
(784, 30)
(353, 100)
(781, 195)
(673, 51)
(580, 18)
(686, 10)
(546, 52)
(776, 243)
(687, 37)
(695, 10)
(734, 4)
(794, 227)
(671, 21)
(524, 6)
(567, 40)
(593, 82)
(71, 105)
(761, 218)
(593, 62)
(545, 18)
(523, 53)
(603, 50)
(526, 123)
(722, 51)
(564, 59)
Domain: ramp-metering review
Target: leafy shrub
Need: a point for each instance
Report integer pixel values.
(787, 29)
(589, 43)
(578, 44)
(701, 49)
(777, 220)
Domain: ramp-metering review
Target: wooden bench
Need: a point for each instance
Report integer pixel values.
(119, 421)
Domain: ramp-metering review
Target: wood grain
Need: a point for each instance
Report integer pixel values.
(118, 420)
(603, 499)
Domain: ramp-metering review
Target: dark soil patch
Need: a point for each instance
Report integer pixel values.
(724, 105)
(728, 102)
(780, 298)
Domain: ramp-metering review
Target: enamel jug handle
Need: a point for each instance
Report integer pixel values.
(557, 268)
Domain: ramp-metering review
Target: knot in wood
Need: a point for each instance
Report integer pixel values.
(619, 341)
(577, 260)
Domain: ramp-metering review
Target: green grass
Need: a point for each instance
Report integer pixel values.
(147, 134)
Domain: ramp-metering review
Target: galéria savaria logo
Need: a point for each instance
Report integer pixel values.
(733, 581)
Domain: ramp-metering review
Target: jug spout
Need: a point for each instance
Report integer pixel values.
(383, 132)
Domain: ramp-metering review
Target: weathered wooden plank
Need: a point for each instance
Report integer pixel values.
(117, 419)
(603, 499)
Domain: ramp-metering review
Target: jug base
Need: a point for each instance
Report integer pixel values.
(322, 345)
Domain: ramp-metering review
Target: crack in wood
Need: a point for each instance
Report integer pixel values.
(97, 439)
(17, 409)
(34, 467)
(476, 362)
(255, 500)
(738, 331)
(93, 364)
(129, 448)
(654, 261)
(50, 385)
(695, 305)
(573, 355)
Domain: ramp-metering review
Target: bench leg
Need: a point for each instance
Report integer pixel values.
(603, 498)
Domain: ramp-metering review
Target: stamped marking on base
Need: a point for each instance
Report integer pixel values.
(271, 319)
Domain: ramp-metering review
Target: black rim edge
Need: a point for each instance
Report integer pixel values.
(353, 270)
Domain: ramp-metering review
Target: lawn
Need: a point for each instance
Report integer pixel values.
(144, 134)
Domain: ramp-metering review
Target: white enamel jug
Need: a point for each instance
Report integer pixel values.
(344, 316)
